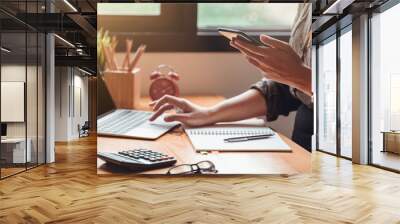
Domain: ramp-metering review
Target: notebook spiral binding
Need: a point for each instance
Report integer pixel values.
(231, 132)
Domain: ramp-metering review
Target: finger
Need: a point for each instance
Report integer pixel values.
(237, 43)
(273, 42)
(152, 103)
(254, 56)
(183, 118)
(244, 46)
(160, 111)
(253, 61)
(249, 53)
(259, 65)
(178, 102)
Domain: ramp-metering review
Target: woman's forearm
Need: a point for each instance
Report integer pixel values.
(246, 105)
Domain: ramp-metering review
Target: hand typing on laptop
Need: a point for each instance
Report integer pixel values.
(246, 105)
(187, 112)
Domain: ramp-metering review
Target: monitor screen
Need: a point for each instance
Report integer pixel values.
(3, 129)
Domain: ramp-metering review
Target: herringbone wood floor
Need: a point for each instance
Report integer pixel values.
(69, 191)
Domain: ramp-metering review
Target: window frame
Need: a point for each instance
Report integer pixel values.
(332, 36)
(341, 32)
(343, 22)
(190, 39)
(380, 9)
(25, 30)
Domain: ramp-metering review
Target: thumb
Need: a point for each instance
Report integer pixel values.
(270, 41)
(176, 117)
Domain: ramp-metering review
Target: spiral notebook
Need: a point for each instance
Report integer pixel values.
(211, 138)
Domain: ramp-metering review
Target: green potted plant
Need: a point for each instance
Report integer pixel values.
(103, 40)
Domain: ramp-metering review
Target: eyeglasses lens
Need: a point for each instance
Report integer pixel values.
(180, 169)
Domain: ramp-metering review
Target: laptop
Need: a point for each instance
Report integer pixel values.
(132, 124)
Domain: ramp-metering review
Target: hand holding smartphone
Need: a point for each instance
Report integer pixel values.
(231, 33)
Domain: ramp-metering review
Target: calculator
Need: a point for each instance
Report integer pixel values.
(138, 159)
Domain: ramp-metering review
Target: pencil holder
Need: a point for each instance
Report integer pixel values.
(124, 88)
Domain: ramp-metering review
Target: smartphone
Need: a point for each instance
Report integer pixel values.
(231, 33)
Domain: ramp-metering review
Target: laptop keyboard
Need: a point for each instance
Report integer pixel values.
(122, 121)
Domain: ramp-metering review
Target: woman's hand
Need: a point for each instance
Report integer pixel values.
(246, 105)
(188, 113)
(278, 61)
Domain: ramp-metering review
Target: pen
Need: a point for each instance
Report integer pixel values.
(139, 53)
(247, 138)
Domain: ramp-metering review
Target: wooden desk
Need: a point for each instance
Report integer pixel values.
(177, 144)
(391, 141)
(14, 151)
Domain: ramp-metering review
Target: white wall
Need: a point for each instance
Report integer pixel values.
(226, 74)
(61, 104)
(79, 117)
(67, 114)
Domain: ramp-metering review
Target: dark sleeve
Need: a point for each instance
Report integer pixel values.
(278, 98)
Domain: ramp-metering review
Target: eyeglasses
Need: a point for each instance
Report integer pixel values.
(201, 167)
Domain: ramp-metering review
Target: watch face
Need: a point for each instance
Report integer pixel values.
(161, 87)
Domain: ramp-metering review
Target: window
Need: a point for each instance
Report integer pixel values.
(191, 26)
(346, 94)
(334, 97)
(385, 85)
(129, 9)
(141, 19)
(394, 102)
(246, 16)
(327, 96)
